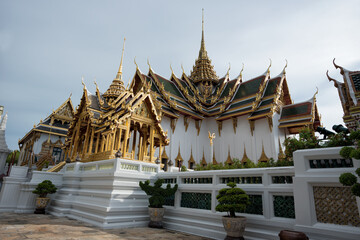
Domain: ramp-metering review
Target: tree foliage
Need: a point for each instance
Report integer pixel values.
(9, 157)
(349, 179)
(44, 188)
(307, 139)
(157, 193)
(232, 200)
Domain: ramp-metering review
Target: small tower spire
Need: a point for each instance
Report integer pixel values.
(117, 85)
(119, 74)
(202, 52)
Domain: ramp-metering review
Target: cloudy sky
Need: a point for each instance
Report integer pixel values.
(46, 46)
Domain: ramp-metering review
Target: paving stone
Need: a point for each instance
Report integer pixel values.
(36, 226)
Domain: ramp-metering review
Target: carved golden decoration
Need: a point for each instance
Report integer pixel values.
(211, 137)
(203, 160)
(336, 205)
(234, 121)
(117, 85)
(245, 158)
(281, 155)
(203, 72)
(219, 123)
(57, 167)
(178, 157)
(164, 155)
(173, 124)
(263, 157)
(252, 127)
(186, 122)
(191, 159)
(229, 160)
(198, 126)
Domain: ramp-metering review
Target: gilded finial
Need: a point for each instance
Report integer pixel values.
(148, 63)
(182, 67)
(96, 84)
(317, 91)
(82, 82)
(228, 69)
(202, 53)
(137, 67)
(331, 79)
(172, 71)
(242, 69)
(337, 66)
(119, 74)
(268, 70)
(70, 95)
(285, 66)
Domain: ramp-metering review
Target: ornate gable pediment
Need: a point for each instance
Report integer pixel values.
(143, 110)
(65, 112)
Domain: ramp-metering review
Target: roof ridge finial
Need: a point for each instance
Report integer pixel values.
(182, 67)
(148, 63)
(82, 82)
(268, 70)
(119, 74)
(228, 71)
(317, 91)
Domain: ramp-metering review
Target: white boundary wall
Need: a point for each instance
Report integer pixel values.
(106, 194)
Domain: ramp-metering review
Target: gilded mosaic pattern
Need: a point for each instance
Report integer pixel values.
(336, 205)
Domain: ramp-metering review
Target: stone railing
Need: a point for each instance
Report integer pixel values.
(112, 165)
(270, 191)
(307, 197)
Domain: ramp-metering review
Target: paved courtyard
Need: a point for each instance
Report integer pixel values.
(34, 226)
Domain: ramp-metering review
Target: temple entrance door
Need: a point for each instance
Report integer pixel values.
(164, 161)
(56, 154)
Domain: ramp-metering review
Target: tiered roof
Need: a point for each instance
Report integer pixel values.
(57, 123)
(349, 93)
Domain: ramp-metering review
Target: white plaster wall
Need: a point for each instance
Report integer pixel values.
(189, 139)
(44, 137)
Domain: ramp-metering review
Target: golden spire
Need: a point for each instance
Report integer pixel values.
(228, 160)
(119, 74)
(203, 70)
(191, 159)
(203, 160)
(245, 158)
(178, 157)
(263, 157)
(202, 52)
(117, 85)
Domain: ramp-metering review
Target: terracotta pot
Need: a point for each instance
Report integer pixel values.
(292, 235)
(41, 204)
(156, 217)
(234, 227)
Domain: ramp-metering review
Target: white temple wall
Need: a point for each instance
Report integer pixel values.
(278, 134)
(263, 137)
(187, 140)
(44, 137)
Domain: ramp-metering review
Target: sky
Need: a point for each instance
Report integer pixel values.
(47, 46)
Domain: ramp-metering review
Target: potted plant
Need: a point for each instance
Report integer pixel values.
(42, 189)
(157, 200)
(233, 200)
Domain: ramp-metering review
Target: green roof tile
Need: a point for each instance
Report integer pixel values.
(249, 87)
(169, 86)
(271, 86)
(296, 110)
